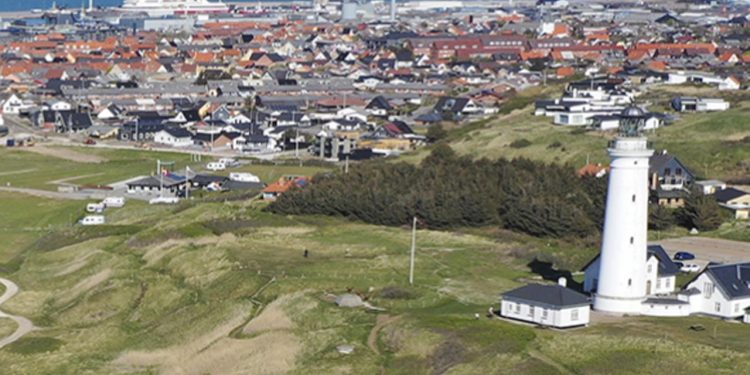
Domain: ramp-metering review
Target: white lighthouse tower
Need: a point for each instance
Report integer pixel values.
(621, 284)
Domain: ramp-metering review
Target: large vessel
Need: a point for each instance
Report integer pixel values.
(158, 8)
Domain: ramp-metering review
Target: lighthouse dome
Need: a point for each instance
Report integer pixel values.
(632, 111)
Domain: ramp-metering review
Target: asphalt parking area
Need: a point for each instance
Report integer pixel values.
(708, 249)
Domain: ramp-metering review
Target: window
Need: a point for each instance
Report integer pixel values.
(658, 283)
(531, 311)
(736, 307)
(650, 267)
(678, 171)
(667, 171)
(717, 307)
(708, 289)
(518, 308)
(632, 239)
(630, 282)
(574, 315)
(544, 314)
(667, 283)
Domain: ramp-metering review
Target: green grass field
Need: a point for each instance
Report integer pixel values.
(222, 287)
(24, 168)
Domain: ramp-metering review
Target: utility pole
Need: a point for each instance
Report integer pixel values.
(161, 178)
(187, 184)
(413, 250)
(296, 143)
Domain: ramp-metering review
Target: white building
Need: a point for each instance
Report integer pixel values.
(621, 283)
(661, 273)
(547, 305)
(175, 137)
(721, 290)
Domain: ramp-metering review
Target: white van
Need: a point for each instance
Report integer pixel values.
(92, 220)
(95, 207)
(164, 200)
(243, 177)
(116, 202)
(229, 162)
(216, 166)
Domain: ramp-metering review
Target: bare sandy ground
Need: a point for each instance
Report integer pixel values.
(65, 153)
(272, 351)
(86, 284)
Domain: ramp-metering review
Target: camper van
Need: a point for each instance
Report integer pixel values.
(229, 162)
(92, 220)
(115, 202)
(95, 207)
(216, 166)
(243, 177)
(164, 200)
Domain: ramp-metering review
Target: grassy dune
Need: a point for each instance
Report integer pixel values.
(713, 145)
(222, 287)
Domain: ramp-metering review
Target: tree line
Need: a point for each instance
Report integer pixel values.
(446, 190)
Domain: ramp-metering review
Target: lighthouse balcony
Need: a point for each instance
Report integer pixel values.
(630, 144)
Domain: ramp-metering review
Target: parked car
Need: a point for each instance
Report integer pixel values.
(89, 141)
(216, 166)
(164, 200)
(690, 267)
(92, 220)
(684, 255)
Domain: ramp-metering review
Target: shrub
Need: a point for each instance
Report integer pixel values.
(555, 144)
(520, 143)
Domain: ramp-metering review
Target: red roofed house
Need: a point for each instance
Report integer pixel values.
(274, 190)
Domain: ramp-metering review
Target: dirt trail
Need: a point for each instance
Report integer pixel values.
(560, 368)
(45, 193)
(24, 325)
(380, 323)
(65, 154)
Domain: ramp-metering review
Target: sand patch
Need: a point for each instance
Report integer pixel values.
(76, 264)
(65, 154)
(86, 285)
(273, 318)
(272, 352)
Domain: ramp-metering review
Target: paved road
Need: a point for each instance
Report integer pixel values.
(709, 249)
(24, 325)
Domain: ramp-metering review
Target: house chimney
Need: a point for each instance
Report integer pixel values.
(562, 281)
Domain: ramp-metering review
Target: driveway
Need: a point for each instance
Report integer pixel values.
(709, 249)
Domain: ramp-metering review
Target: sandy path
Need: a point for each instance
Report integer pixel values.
(24, 325)
(45, 193)
(65, 153)
(380, 323)
(20, 171)
(560, 368)
(65, 181)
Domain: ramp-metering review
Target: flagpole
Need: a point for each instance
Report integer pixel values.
(413, 250)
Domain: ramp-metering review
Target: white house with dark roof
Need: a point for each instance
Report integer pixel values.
(175, 137)
(547, 305)
(720, 290)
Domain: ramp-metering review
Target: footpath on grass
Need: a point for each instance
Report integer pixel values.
(24, 325)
